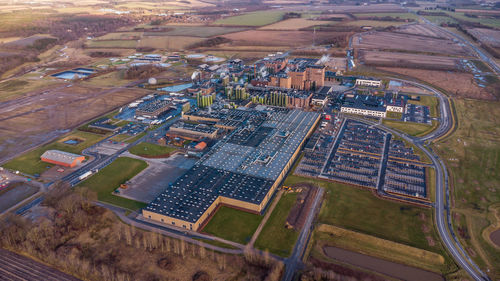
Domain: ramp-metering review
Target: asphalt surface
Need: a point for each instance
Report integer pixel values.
(485, 57)
(100, 161)
(442, 211)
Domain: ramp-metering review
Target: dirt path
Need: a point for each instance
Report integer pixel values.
(389, 268)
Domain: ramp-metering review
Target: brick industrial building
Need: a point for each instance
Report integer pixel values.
(242, 170)
(298, 73)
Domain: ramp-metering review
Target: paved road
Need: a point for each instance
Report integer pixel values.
(442, 204)
(294, 261)
(100, 161)
(484, 56)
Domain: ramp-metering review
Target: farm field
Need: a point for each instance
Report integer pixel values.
(406, 60)
(455, 83)
(407, 42)
(487, 36)
(109, 178)
(279, 38)
(16, 87)
(121, 44)
(8, 39)
(233, 225)
(441, 19)
(258, 18)
(120, 36)
(471, 154)
(492, 22)
(35, 118)
(423, 30)
(373, 23)
(295, 24)
(339, 8)
(381, 15)
(28, 41)
(196, 31)
(168, 42)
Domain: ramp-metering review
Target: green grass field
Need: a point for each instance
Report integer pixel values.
(412, 129)
(197, 31)
(30, 162)
(274, 236)
(258, 18)
(148, 149)
(472, 155)
(233, 225)
(374, 23)
(394, 115)
(441, 19)
(138, 136)
(381, 15)
(125, 44)
(492, 22)
(430, 101)
(120, 137)
(109, 178)
(359, 210)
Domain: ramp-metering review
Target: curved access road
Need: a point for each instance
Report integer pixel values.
(482, 55)
(442, 204)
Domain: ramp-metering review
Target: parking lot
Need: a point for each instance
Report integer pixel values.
(357, 157)
(318, 148)
(108, 147)
(153, 180)
(404, 172)
(133, 129)
(417, 113)
(353, 154)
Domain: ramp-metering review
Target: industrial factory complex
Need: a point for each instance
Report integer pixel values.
(241, 170)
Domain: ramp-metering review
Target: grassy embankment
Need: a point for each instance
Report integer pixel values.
(109, 178)
(410, 128)
(359, 210)
(472, 154)
(329, 235)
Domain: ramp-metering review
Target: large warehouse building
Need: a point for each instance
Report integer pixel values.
(62, 158)
(242, 170)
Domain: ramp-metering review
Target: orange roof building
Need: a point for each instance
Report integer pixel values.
(62, 158)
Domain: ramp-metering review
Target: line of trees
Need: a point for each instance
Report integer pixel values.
(88, 241)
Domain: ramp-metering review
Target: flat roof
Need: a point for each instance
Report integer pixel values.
(243, 166)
